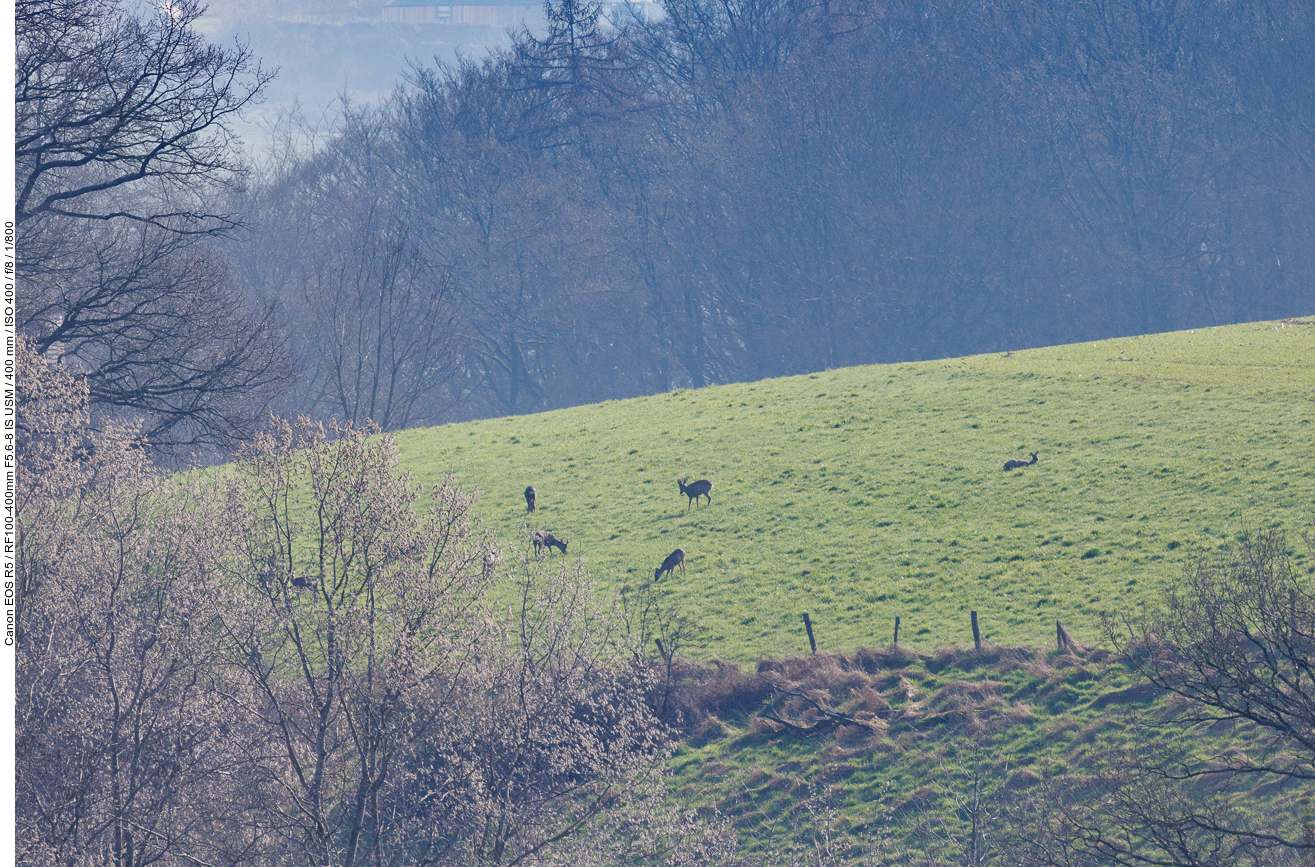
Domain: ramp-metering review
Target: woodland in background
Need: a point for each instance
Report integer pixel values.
(614, 207)
(754, 188)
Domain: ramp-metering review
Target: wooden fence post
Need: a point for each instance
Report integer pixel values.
(808, 624)
(977, 635)
(895, 643)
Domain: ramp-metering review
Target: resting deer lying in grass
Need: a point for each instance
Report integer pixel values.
(1015, 463)
(674, 559)
(701, 488)
(544, 539)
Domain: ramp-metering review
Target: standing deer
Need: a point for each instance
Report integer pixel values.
(530, 494)
(674, 559)
(701, 488)
(1015, 463)
(544, 539)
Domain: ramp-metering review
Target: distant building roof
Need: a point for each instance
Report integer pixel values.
(437, 4)
(393, 4)
(497, 13)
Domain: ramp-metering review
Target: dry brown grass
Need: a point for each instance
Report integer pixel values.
(853, 698)
(702, 696)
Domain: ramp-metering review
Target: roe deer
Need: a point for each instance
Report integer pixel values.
(701, 488)
(410, 550)
(1015, 463)
(674, 559)
(544, 539)
(530, 494)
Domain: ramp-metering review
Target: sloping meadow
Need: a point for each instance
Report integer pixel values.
(869, 493)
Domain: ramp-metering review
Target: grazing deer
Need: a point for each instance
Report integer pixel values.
(409, 551)
(544, 539)
(304, 582)
(701, 488)
(1015, 463)
(674, 559)
(530, 494)
(268, 573)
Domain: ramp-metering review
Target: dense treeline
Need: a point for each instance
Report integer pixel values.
(756, 188)
(615, 207)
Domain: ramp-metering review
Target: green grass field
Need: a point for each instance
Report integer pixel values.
(865, 493)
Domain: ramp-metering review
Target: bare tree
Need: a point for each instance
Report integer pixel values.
(107, 101)
(372, 315)
(383, 330)
(118, 720)
(1233, 643)
(148, 317)
(353, 621)
(577, 75)
(656, 624)
(517, 219)
(402, 719)
(123, 149)
(299, 664)
(560, 747)
(1236, 639)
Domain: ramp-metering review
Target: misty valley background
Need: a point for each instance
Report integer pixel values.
(324, 49)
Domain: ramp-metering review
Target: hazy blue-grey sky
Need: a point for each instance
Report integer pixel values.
(326, 48)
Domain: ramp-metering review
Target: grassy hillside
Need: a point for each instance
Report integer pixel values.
(861, 494)
(925, 733)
